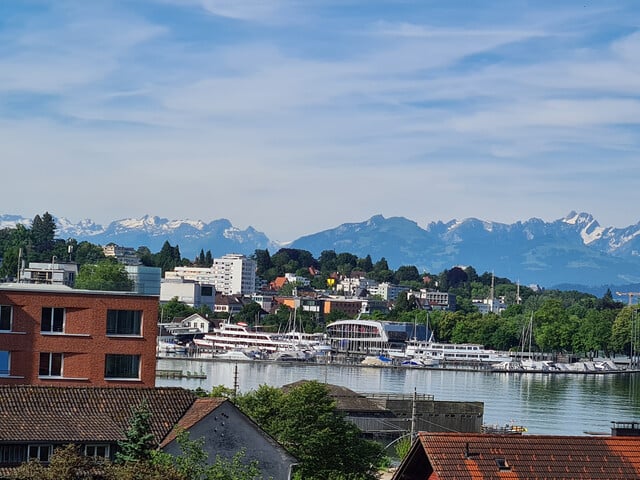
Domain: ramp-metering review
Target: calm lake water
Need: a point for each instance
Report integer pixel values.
(550, 404)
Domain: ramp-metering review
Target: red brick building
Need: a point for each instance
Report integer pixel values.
(53, 335)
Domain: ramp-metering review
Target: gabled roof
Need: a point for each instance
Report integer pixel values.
(200, 409)
(86, 414)
(464, 456)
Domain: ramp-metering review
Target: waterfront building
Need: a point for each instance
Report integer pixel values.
(366, 337)
(37, 420)
(55, 335)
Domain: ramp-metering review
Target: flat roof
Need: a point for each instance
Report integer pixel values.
(64, 289)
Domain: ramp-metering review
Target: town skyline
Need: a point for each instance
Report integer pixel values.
(295, 120)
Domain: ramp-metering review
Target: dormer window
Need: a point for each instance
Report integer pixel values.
(503, 465)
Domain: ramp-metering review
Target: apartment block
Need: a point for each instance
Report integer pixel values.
(55, 335)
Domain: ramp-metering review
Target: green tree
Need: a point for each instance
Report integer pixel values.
(107, 274)
(43, 230)
(250, 313)
(174, 308)
(139, 442)
(305, 421)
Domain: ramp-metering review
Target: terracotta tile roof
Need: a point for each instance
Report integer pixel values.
(480, 456)
(79, 414)
(200, 409)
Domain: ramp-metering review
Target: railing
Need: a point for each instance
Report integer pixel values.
(400, 396)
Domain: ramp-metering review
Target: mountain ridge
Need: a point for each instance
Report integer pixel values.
(574, 249)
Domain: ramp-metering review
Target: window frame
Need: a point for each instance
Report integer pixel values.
(40, 447)
(50, 321)
(3, 309)
(126, 323)
(50, 365)
(110, 372)
(95, 447)
(13, 454)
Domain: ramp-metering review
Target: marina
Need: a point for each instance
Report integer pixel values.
(562, 404)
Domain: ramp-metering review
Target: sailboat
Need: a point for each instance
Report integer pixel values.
(417, 351)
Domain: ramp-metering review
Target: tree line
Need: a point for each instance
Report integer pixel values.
(563, 321)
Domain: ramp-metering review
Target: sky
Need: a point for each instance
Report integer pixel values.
(295, 116)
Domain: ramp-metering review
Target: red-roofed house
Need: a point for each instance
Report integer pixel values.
(464, 456)
(36, 419)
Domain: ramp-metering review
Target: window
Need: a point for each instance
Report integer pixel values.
(52, 320)
(5, 317)
(122, 366)
(40, 452)
(124, 322)
(15, 454)
(50, 364)
(206, 291)
(98, 450)
(5, 363)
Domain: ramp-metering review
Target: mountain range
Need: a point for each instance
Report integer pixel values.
(571, 252)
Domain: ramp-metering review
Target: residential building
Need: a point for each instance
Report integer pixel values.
(55, 335)
(464, 456)
(124, 255)
(387, 291)
(229, 304)
(354, 285)
(146, 280)
(196, 320)
(53, 273)
(37, 419)
(490, 305)
(266, 302)
(348, 306)
(435, 300)
(196, 274)
(190, 292)
(297, 279)
(234, 274)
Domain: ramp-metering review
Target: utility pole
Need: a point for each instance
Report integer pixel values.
(413, 415)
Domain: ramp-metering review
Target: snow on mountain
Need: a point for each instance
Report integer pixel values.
(10, 221)
(573, 249)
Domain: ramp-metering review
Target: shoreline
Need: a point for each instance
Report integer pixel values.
(447, 367)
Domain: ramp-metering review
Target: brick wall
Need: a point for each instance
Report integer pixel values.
(84, 343)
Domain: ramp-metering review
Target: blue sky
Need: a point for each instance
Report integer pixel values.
(296, 116)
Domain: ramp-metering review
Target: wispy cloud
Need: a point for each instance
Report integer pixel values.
(413, 108)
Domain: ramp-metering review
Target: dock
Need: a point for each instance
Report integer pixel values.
(179, 374)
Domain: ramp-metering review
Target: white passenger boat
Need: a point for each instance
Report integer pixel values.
(238, 336)
(455, 352)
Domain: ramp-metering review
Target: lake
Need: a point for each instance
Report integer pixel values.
(550, 404)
